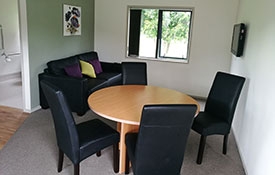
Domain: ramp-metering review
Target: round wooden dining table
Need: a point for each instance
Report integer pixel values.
(124, 103)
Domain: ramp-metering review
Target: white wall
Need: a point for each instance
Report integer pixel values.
(9, 20)
(254, 123)
(210, 45)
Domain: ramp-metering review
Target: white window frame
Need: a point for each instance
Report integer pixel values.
(186, 60)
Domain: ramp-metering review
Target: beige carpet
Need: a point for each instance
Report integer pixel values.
(33, 151)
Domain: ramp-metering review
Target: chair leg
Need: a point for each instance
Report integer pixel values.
(201, 149)
(98, 154)
(127, 164)
(60, 160)
(116, 157)
(76, 169)
(225, 140)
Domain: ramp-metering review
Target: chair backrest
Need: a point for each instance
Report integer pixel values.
(134, 73)
(223, 96)
(65, 128)
(162, 138)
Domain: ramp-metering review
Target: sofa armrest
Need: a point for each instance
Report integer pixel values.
(110, 67)
(74, 89)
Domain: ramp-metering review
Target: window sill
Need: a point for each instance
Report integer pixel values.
(160, 59)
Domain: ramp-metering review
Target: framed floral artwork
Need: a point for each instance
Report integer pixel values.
(71, 20)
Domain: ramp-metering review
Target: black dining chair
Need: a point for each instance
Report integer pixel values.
(134, 73)
(158, 148)
(219, 110)
(78, 141)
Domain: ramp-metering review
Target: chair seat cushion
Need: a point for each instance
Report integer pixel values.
(206, 124)
(112, 78)
(95, 135)
(95, 84)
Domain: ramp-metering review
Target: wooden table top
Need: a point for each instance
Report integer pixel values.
(124, 103)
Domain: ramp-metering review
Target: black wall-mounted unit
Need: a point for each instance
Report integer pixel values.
(238, 39)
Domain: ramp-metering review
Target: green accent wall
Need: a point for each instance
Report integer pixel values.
(45, 36)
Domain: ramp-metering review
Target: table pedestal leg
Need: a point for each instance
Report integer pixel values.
(124, 129)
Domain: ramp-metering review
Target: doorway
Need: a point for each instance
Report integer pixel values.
(10, 55)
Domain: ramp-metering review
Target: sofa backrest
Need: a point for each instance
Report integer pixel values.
(88, 56)
(56, 67)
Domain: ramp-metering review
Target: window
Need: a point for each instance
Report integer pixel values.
(161, 34)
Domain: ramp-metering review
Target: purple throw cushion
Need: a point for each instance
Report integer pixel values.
(73, 70)
(97, 66)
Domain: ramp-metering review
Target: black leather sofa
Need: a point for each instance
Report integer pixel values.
(75, 89)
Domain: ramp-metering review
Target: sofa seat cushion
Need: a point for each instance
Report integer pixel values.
(112, 78)
(96, 84)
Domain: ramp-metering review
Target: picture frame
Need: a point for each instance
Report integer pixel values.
(71, 20)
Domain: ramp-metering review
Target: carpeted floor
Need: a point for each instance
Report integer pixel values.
(33, 151)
